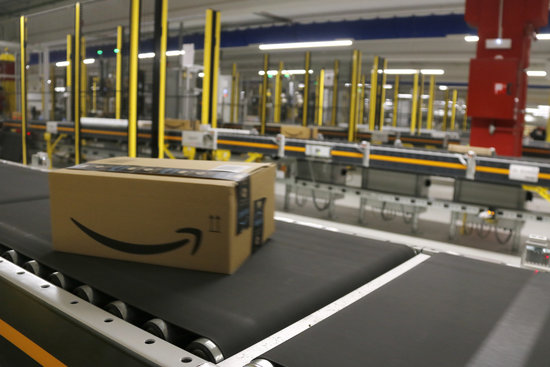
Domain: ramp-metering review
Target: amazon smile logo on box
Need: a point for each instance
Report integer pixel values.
(142, 249)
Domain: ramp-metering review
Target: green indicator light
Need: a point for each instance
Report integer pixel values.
(116, 50)
(100, 52)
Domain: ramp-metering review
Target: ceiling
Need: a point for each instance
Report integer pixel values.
(100, 18)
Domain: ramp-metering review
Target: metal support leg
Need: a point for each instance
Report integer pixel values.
(362, 203)
(331, 206)
(414, 222)
(452, 226)
(288, 190)
(516, 238)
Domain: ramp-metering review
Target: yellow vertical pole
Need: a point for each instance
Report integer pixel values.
(421, 103)
(373, 92)
(429, 122)
(83, 79)
(414, 109)
(306, 88)
(233, 93)
(335, 92)
(207, 63)
(362, 101)
(211, 64)
(76, 81)
(70, 65)
(383, 94)
(263, 105)
(237, 96)
(395, 100)
(23, 70)
(358, 121)
(94, 94)
(353, 96)
(215, 70)
(118, 82)
(162, 78)
(446, 110)
(321, 97)
(453, 110)
(316, 104)
(278, 92)
(133, 78)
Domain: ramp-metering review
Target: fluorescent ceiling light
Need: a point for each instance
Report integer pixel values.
(443, 87)
(543, 36)
(146, 55)
(406, 96)
(471, 38)
(201, 74)
(269, 72)
(175, 53)
(400, 71)
(285, 72)
(432, 71)
(88, 61)
(59, 89)
(386, 86)
(61, 64)
(539, 73)
(414, 71)
(285, 46)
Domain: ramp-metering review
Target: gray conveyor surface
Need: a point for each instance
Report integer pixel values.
(447, 311)
(20, 183)
(299, 271)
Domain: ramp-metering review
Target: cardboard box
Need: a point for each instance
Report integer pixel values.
(202, 215)
(299, 132)
(176, 124)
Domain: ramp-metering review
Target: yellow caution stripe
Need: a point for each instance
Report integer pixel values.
(498, 171)
(421, 162)
(295, 149)
(247, 144)
(342, 153)
(28, 347)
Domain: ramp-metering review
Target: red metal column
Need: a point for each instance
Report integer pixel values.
(498, 80)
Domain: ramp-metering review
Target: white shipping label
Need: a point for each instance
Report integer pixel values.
(519, 172)
(321, 151)
(51, 127)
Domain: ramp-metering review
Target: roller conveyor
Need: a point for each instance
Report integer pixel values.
(446, 311)
(284, 281)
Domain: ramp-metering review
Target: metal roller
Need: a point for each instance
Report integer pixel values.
(60, 280)
(122, 311)
(206, 349)
(159, 328)
(260, 363)
(89, 294)
(12, 255)
(34, 267)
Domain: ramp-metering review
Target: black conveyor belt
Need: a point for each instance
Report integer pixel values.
(447, 311)
(299, 271)
(20, 183)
